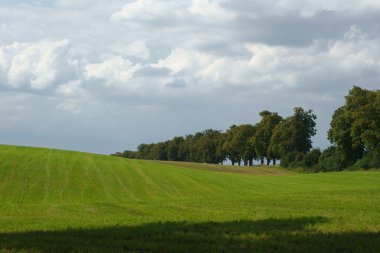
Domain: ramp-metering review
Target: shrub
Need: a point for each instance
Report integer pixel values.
(332, 159)
(301, 160)
(312, 158)
(370, 160)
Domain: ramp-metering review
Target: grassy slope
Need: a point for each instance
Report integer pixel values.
(53, 200)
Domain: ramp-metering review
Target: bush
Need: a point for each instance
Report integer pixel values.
(370, 160)
(332, 159)
(312, 158)
(301, 160)
(292, 160)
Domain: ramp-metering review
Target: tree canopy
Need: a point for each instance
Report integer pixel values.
(355, 127)
(263, 135)
(294, 133)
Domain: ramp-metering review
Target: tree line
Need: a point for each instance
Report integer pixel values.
(266, 141)
(354, 134)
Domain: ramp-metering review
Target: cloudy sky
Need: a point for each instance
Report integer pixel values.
(106, 75)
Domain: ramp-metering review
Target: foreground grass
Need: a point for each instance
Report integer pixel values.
(61, 201)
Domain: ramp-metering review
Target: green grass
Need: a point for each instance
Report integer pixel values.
(62, 201)
(255, 170)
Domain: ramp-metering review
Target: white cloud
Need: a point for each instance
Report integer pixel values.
(209, 9)
(112, 70)
(139, 49)
(71, 89)
(37, 65)
(178, 60)
(73, 3)
(136, 48)
(279, 67)
(148, 10)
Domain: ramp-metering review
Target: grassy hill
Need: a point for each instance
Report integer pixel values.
(63, 201)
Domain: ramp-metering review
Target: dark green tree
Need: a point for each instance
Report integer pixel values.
(294, 133)
(331, 159)
(355, 127)
(263, 135)
(207, 146)
(232, 147)
(173, 148)
(143, 151)
(160, 151)
(248, 153)
(237, 146)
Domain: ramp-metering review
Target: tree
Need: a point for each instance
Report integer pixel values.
(294, 133)
(173, 148)
(263, 135)
(364, 106)
(355, 127)
(244, 134)
(340, 134)
(237, 146)
(209, 146)
(184, 149)
(195, 151)
(160, 151)
(231, 146)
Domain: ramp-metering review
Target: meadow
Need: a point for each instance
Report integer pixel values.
(64, 201)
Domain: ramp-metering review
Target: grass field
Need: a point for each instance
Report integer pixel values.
(62, 201)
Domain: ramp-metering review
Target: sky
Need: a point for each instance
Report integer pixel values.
(107, 75)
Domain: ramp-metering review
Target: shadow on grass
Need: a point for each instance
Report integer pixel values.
(270, 235)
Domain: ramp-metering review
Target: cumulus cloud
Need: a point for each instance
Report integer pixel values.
(149, 11)
(209, 9)
(37, 65)
(179, 59)
(71, 89)
(269, 68)
(137, 49)
(112, 70)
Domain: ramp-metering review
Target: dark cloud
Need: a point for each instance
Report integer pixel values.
(295, 30)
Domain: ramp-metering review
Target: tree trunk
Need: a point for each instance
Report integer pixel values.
(274, 161)
(233, 163)
(262, 160)
(239, 163)
(268, 161)
(250, 162)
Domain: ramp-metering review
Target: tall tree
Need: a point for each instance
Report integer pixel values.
(159, 151)
(209, 145)
(294, 133)
(244, 134)
(237, 145)
(173, 148)
(355, 127)
(263, 135)
(231, 146)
